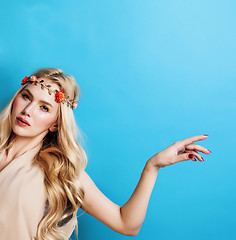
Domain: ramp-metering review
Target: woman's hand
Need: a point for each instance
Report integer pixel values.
(180, 151)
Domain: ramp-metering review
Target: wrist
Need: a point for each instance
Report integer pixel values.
(151, 166)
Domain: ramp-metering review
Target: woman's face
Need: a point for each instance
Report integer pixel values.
(37, 107)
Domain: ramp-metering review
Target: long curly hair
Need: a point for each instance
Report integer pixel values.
(61, 158)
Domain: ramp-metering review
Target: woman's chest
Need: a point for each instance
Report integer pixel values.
(22, 188)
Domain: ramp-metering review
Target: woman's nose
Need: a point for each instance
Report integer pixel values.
(28, 110)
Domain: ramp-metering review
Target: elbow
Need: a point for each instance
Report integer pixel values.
(132, 233)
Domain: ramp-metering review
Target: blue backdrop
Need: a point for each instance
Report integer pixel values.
(151, 73)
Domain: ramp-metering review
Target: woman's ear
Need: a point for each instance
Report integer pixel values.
(53, 128)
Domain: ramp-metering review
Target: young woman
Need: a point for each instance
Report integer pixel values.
(42, 166)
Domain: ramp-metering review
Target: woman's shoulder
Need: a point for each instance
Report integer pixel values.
(84, 178)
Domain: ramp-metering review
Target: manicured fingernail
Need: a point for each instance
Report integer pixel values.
(209, 150)
(190, 155)
(205, 135)
(202, 159)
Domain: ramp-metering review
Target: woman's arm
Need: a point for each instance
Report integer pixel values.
(128, 219)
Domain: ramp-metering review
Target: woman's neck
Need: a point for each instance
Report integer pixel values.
(19, 145)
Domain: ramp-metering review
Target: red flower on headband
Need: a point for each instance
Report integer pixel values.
(24, 80)
(60, 96)
(74, 105)
(33, 78)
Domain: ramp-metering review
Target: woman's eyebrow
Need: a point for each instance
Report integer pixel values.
(28, 91)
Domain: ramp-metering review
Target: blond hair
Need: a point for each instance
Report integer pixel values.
(61, 158)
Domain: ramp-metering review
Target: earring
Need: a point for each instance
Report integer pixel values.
(53, 128)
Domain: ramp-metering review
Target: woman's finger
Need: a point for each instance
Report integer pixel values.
(193, 159)
(195, 154)
(190, 140)
(196, 147)
(188, 156)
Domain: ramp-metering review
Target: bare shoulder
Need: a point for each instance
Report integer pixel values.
(89, 187)
(85, 179)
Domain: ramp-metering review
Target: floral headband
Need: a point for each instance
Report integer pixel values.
(60, 95)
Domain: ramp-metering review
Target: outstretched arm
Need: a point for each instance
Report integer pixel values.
(128, 219)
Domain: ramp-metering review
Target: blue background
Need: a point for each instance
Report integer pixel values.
(151, 73)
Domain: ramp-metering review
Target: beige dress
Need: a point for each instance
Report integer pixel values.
(22, 199)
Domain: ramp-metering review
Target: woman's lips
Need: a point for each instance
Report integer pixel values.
(22, 122)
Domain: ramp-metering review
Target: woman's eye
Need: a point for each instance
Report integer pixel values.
(45, 108)
(25, 96)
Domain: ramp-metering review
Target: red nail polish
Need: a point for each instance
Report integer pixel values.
(202, 159)
(205, 135)
(209, 150)
(190, 155)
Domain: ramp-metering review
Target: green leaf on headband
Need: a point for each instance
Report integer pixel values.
(50, 92)
(41, 81)
(42, 87)
(48, 85)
